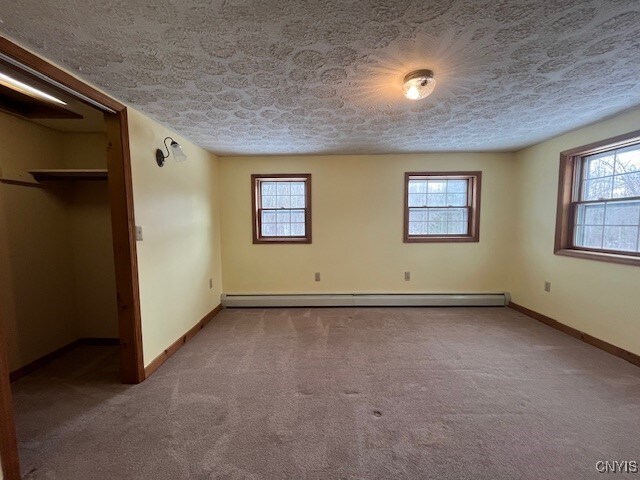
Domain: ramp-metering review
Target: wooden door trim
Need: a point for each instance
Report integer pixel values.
(8, 442)
(124, 249)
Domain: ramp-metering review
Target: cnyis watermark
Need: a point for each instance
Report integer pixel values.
(615, 466)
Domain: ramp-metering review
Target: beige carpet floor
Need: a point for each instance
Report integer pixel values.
(345, 393)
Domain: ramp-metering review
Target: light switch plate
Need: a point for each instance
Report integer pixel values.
(138, 233)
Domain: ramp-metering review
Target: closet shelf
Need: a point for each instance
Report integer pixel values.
(69, 174)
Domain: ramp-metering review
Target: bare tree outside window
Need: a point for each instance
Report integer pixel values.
(442, 207)
(608, 205)
(281, 208)
(599, 201)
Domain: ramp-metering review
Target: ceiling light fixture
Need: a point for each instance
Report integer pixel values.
(418, 84)
(178, 154)
(25, 89)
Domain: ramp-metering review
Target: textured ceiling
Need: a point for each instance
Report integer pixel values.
(287, 76)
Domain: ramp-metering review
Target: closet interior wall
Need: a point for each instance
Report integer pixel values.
(57, 276)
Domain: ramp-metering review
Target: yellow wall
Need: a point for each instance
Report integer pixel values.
(93, 262)
(357, 208)
(37, 301)
(57, 273)
(92, 244)
(178, 207)
(66, 289)
(601, 299)
(84, 150)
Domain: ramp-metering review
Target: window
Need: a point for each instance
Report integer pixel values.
(442, 207)
(599, 201)
(281, 208)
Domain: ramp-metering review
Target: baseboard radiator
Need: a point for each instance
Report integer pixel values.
(369, 300)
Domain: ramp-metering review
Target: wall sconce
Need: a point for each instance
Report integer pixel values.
(175, 147)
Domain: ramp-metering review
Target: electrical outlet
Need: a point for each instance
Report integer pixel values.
(407, 276)
(210, 283)
(138, 233)
(317, 276)
(547, 286)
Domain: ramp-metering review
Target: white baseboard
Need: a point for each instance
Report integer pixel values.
(369, 300)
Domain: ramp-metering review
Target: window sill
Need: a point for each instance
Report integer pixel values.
(277, 240)
(441, 239)
(601, 257)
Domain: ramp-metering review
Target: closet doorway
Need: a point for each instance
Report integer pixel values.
(67, 232)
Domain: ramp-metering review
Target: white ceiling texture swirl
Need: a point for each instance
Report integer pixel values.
(317, 76)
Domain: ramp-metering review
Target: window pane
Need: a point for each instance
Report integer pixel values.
(457, 186)
(437, 200)
(628, 159)
(457, 214)
(599, 189)
(283, 205)
(297, 201)
(418, 215)
(297, 188)
(284, 229)
(283, 202)
(417, 200)
(438, 206)
(621, 224)
(268, 201)
(283, 216)
(438, 215)
(623, 213)
(268, 217)
(297, 229)
(268, 188)
(610, 178)
(457, 228)
(417, 228)
(589, 237)
(284, 188)
(621, 238)
(591, 214)
(627, 185)
(417, 186)
(269, 230)
(437, 186)
(297, 216)
(457, 200)
(599, 165)
(438, 221)
(437, 228)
